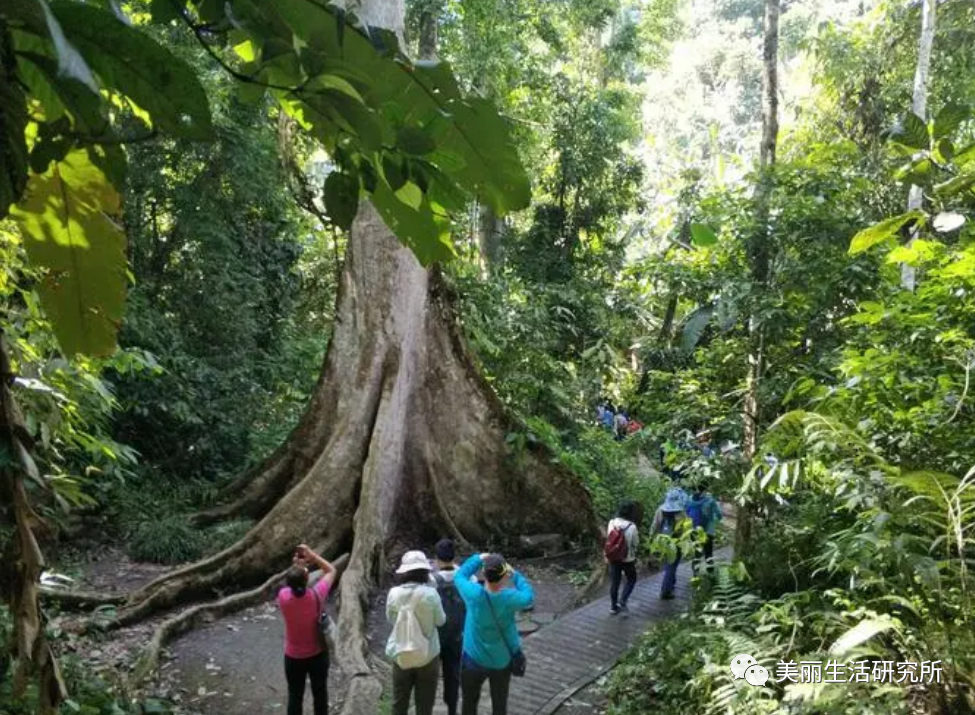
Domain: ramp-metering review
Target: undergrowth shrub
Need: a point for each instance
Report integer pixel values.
(609, 469)
(169, 540)
(220, 536)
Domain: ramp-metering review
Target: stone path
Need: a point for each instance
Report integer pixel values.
(580, 646)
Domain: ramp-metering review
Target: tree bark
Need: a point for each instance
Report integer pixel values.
(402, 443)
(761, 250)
(22, 558)
(489, 232)
(919, 105)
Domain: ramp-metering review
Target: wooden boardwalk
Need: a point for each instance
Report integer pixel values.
(572, 652)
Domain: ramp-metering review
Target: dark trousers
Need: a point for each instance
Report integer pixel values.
(705, 551)
(616, 573)
(450, 655)
(670, 577)
(472, 678)
(421, 682)
(316, 670)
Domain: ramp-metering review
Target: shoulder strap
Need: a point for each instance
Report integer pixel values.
(497, 624)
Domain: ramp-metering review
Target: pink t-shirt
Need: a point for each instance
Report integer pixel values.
(300, 620)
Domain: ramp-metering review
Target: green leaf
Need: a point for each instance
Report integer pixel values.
(944, 151)
(949, 119)
(138, 67)
(878, 233)
(164, 12)
(955, 186)
(13, 148)
(410, 194)
(70, 62)
(911, 131)
(860, 633)
(341, 193)
(415, 141)
(393, 171)
(418, 229)
(694, 327)
(67, 220)
(702, 235)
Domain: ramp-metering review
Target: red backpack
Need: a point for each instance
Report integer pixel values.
(615, 547)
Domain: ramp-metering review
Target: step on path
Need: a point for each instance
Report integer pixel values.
(582, 645)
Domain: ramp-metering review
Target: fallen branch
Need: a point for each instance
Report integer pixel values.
(204, 612)
(77, 600)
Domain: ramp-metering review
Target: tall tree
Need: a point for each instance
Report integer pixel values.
(919, 105)
(760, 248)
(402, 442)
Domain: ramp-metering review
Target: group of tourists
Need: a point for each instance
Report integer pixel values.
(456, 620)
(675, 514)
(616, 420)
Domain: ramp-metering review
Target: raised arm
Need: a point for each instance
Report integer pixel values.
(521, 596)
(303, 552)
(467, 589)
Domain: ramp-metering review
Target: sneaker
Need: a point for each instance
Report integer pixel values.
(613, 610)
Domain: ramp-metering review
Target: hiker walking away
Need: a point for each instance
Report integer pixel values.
(704, 511)
(305, 653)
(621, 421)
(451, 632)
(609, 416)
(620, 551)
(492, 646)
(666, 521)
(414, 609)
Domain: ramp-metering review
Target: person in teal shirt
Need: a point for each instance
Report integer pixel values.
(490, 631)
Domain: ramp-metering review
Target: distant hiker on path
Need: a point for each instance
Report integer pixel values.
(666, 521)
(415, 611)
(492, 645)
(620, 551)
(704, 511)
(305, 653)
(452, 632)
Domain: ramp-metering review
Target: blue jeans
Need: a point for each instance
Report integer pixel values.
(670, 577)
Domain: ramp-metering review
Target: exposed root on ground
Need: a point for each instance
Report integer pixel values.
(205, 612)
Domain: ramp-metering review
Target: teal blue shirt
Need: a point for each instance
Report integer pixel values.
(482, 641)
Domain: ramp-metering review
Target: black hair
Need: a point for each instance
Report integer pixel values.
(297, 580)
(415, 576)
(627, 511)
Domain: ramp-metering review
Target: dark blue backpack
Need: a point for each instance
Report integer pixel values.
(453, 606)
(696, 512)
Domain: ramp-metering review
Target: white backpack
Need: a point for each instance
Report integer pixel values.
(412, 646)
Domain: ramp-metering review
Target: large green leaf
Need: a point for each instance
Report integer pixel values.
(949, 119)
(341, 192)
(703, 235)
(138, 67)
(426, 235)
(880, 232)
(67, 220)
(911, 131)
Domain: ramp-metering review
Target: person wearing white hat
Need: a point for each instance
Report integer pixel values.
(415, 610)
(665, 521)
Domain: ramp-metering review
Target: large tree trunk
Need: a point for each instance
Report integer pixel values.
(915, 197)
(760, 252)
(403, 442)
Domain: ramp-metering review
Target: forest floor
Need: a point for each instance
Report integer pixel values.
(234, 666)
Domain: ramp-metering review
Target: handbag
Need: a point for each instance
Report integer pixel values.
(324, 625)
(518, 663)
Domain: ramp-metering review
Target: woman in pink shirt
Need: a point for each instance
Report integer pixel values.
(305, 656)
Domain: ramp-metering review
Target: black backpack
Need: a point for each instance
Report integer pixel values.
(453, 605)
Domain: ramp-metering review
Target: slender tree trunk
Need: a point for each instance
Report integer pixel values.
(22, 558)
(489, 232)
(760, 251)
(915, 197)
(403, 442)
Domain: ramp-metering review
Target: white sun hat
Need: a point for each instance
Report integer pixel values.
(413, 561)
